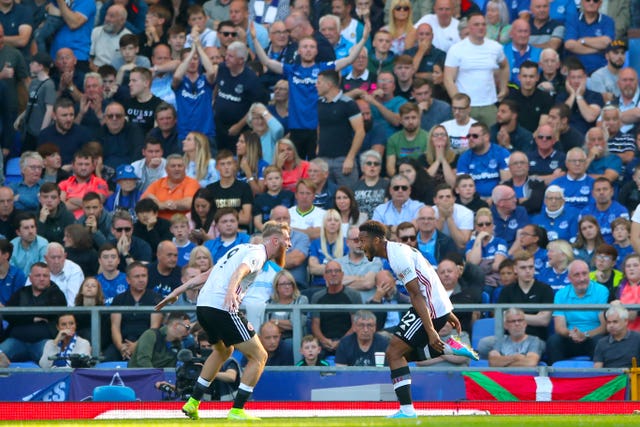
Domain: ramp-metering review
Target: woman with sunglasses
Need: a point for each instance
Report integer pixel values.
(486, 250)
(285, 291)
(371, 190)
(403, 35)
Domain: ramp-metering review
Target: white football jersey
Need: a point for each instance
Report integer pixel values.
(215, 288)
(407, 264)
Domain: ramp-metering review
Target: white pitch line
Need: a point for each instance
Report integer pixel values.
(276, 413)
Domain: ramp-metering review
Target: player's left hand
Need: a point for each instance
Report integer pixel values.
(455, 322)
(232, 302)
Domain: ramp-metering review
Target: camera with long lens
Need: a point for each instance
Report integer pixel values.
(76, 360)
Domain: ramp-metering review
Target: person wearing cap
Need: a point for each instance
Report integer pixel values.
(127, 191)
(42, 96)
(605, 79)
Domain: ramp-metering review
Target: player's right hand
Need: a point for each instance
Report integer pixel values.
(169, 299)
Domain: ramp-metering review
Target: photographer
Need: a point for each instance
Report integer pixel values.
(158, 348)
(223, 387)
(64, 344)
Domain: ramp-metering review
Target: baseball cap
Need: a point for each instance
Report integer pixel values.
(125, 172)
(43, 59)
(617, 44)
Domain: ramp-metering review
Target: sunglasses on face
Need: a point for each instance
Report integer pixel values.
(229, 33)
(484, 224)
(406, 239)
(474, 135)
(372, 163)
(544, 137)
(121, 229)
(401, 8)
(400, 188)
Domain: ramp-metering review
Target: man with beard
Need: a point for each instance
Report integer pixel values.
(629, 98)
(605, 79)
(418, 328)
(64, 133)
(340, 130)
(218, 314)
(105, 39)
(489, 160)
(537, 101)
(81, 182)
(411, 141)
(374, 137)
(359, 272)
(507, 131)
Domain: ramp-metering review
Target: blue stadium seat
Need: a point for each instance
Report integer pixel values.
(122, 364)
(573, 364)
(113, 393)
(482, 328)
(331, 360)
(12, 171)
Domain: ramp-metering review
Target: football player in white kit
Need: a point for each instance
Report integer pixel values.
(418, 328)
(224, 287)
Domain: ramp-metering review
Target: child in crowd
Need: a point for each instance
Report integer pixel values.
(507, 273)
(198, 23)
(310, 350)
(126, 193)
(274, 196)
(129, 48)
(112, 280)
(177, 39)
(467, 195)
(180, 230)
(604, 272)
(621, 231)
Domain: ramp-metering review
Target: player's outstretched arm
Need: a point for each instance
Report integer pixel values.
(193, 283)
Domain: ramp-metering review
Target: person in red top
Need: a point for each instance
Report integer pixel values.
(82, 182)
(175, 192)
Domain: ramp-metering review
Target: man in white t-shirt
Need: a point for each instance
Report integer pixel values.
(306, 217)
(444, 25)
(470, 67)
(453, 219)
(458, 127)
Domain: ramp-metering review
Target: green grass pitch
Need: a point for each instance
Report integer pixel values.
(434, 421)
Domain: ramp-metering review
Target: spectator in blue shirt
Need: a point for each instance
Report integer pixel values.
(26, 191)
(11, 277)
(226, 220)
(604, 208)
(508, 217)
(556, 217)
(588, 36)
(577, 332)
(600, 163)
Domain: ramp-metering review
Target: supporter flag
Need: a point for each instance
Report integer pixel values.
(513, 388)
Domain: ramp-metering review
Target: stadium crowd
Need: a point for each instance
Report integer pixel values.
(143, 139)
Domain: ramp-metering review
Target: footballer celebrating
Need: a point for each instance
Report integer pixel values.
(418, 328)
(225, 285)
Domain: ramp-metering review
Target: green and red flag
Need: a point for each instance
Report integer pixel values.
(512, 388)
